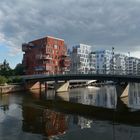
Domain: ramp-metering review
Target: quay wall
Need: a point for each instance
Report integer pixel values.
(11, 88)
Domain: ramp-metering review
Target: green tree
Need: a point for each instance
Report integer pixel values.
(19, 69)
(3, 80)
(5, 69)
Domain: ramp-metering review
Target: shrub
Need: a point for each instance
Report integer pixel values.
(17, 79)
(3, 80)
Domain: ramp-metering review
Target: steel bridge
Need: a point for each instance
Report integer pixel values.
(66, 77)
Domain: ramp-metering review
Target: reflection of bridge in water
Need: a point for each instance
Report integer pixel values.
(86, 106)
(104, 96)
(56, 114)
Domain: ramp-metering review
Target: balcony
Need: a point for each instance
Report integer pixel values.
(39, 68)
(48, 68)
(44, 57)
(47, 52)
(42, 68)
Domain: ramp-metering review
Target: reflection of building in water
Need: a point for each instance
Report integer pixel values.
(46, 122)
(55, 123)
(104, 96)
(4, 102)
(84, 122)
(134, 95)
(79, 121)
(50, 94)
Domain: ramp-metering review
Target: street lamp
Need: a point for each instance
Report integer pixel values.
(127, 71)
(113, 60)
(128, 54)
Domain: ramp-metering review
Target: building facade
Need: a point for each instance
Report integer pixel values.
(92, 62)
(105, 61)
(120, 63)
(47, 55)
(132, 65)
(80, 59)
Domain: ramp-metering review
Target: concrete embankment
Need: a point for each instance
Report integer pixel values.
(11, 88)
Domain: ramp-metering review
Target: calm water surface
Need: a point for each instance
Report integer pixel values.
(23, 118)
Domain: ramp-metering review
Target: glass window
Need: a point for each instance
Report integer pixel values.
(55, 46)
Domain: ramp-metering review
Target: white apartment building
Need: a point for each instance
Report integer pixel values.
(105, 61)
(83, 60)
(139, 67)
(92, 62)
(132, 65)
(120, 60)
(80, 59)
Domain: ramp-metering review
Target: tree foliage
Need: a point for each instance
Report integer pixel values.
(19, 69)
(3, 80)
(8, 75)
(5, 69)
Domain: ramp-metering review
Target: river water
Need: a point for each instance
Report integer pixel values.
(82, 113)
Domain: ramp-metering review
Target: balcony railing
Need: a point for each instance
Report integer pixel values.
(109, 72)
(45, 57)
(42, 68)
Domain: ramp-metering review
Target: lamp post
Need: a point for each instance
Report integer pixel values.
(128, 63)
(113, 60)
(128, 54)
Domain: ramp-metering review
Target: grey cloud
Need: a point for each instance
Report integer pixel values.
(103, 23)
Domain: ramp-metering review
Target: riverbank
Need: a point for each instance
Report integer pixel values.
(11, 88)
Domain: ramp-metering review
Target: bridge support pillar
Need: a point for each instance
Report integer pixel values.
(61, 87)
(122, 90)
(31, 85)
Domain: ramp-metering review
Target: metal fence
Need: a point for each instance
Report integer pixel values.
(108, 72)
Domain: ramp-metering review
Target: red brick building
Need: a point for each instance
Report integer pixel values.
(47, 55)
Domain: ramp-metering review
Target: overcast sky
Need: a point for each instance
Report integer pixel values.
(100, 23)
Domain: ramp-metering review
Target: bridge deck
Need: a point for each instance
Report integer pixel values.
(108, 77)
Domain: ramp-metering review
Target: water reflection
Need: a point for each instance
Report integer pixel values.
(4, 102)
(103, 97)
(22, 118)
(46, 122)
(134, 95)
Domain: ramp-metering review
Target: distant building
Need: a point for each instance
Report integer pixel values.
(139, 67)
(47, 55)
(120, 63)
(92, 62)
(132, 65)
(105, 62)
(80, 59)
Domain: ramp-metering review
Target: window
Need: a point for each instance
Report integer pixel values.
(55, 46)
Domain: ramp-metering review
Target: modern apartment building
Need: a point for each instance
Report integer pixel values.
(105, 61)
(80, 59)
(120, 60)
(47, 55)
(132, 65)
(92, 62)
